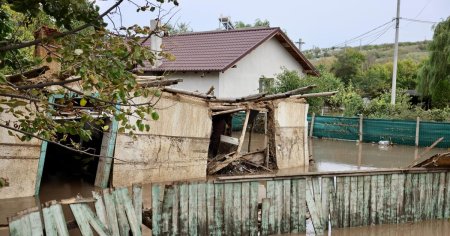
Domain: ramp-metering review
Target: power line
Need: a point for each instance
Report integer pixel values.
(419, 21)
(361, 35)
(381, 34)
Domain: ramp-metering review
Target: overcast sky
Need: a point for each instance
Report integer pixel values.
(322, 23)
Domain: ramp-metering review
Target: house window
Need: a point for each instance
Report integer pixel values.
(265, 84)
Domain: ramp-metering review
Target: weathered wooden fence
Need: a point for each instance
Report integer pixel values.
(341, 200)
(117, 213)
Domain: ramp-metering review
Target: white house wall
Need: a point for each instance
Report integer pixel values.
(266, 60)
(196, 81)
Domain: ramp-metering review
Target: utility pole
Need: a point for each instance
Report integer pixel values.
(394, 69)
(300, 43)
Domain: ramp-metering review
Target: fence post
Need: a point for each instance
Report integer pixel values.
(360, 127)
(417, 131)
(311, 128)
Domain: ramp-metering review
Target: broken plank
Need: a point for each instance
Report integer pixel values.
(111, 214)
(124, 227)
(314, 212)
(137, 202)
(100, 207)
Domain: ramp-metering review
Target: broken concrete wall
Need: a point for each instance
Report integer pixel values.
(175, 148)
(18, 162)
(290, 133)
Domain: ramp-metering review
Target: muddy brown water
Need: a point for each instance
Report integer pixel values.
(328, 155)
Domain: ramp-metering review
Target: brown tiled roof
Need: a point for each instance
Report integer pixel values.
(219, 50)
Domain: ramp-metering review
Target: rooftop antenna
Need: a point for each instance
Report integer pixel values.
(225, 22)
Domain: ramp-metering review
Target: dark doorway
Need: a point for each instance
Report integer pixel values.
(68, 173)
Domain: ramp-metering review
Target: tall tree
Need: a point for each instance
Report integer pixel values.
(434, 78)
(348, 65)
(96, 69)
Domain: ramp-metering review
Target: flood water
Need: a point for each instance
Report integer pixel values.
(328, 155)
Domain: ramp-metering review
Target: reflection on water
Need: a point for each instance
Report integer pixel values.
(332, 155)
(328, 155)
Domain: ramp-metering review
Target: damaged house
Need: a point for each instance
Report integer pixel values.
(191, 139)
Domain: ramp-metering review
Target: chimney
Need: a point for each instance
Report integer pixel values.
(156, 41)
(49, 49)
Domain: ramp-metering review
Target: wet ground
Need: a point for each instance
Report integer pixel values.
(328, 155)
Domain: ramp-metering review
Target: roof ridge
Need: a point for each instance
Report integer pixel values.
(225, 31)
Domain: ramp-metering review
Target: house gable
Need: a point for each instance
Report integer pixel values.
(266, 60)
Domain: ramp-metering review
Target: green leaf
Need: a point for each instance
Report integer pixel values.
(155, 115)
(48, 59)
(10, 133)
(105, 128)
(83, 102)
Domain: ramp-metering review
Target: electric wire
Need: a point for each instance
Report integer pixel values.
(362, 35)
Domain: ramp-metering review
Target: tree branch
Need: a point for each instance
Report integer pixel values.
(27, 74)
(55, 36)
(43, 85)
(56, 143)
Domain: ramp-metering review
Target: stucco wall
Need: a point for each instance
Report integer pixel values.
(196, 81)
(18, 163)
(291, 142)
(266, 60)
(175, 148)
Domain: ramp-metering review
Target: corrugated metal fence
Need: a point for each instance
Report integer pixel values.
(397, 131)
(341, 200)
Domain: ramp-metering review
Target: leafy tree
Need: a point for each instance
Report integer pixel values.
(374, 81)
(258, 23)
(434, 78)
(96, 71)
(178, 28)
(348, 64)
(289, 80)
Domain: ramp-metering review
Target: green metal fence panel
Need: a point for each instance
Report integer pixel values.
(335, 127)
(431, 131)
(396, 131)
(401, 132)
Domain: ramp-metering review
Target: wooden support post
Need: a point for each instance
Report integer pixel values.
(360, 128)
(250, 136)
(417, 131)
(311, 128)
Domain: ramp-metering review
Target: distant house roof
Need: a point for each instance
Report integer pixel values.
(220, 50)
